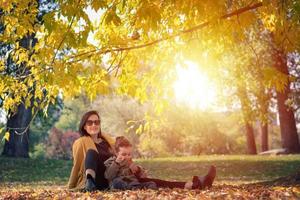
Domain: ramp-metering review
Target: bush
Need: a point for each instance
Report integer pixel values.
(39, 151)
(186, 131)
(59, 144)
(152, 146)
(67, 141)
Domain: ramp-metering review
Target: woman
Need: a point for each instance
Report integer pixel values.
(89, 153)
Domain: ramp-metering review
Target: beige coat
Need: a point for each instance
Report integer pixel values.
(80, 147)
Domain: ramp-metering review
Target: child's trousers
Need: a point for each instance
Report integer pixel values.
(123, 184)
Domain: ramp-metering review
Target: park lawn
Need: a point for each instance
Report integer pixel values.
(47, 179)
(233, 169)
(230, 168)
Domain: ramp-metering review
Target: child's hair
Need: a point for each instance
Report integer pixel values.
(122, 141)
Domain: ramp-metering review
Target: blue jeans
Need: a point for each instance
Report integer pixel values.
(120, 184)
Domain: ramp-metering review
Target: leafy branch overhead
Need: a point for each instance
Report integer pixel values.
(73, 47)
(189, 30)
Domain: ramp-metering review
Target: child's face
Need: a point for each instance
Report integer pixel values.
(125, 153)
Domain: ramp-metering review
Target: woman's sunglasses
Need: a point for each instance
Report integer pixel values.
(91, 122)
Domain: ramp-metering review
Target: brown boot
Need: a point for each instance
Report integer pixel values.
(206, 181)
(210, 177)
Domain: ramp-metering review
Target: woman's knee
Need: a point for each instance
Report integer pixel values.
(91, 159)
(91, 153)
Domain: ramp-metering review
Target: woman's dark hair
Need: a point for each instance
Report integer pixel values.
(84, 118)
(122, 141)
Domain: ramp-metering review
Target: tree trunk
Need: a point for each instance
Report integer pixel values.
(264, 136)
(264, 105)
(18, 122)
(251, 146)
(246, 109)
(289, 135)
(18, 144)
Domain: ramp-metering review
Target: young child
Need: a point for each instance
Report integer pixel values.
(122, 173)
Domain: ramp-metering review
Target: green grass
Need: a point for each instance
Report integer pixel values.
(34, 170)
(230, 168)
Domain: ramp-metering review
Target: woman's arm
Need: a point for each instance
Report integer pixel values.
(77, 162)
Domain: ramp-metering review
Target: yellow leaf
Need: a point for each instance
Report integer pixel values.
(270, 22)
(96, 4)
(2, 87)
(6, 136)
(139, 130)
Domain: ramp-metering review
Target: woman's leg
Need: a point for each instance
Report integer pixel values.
(164, 184)
(198, 182)
(95, 168)
(90, 170)
(207, 180)
(101, 181)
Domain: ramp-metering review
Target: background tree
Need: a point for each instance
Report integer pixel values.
(283, 24)
(42, 124)
(16, 51)
(134, 48)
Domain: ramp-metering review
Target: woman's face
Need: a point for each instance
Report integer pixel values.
(92, 125)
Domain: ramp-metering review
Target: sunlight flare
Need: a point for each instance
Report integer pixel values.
(193, 87)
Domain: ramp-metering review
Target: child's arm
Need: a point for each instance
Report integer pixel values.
(137, 170)
(142, 173)
(112, 168)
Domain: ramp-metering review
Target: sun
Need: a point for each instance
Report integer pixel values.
(193, 87)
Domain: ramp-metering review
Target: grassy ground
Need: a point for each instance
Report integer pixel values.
(47, 179)
(230, 168)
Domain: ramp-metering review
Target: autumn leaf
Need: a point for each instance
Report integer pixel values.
(6, 136)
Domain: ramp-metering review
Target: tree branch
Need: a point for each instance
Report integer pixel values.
(195, 28)
(65, 34)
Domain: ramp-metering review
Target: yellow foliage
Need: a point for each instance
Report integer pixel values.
(274, 78)
(2, 87)
(270, 22)
(62, 61)
(6, 136)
